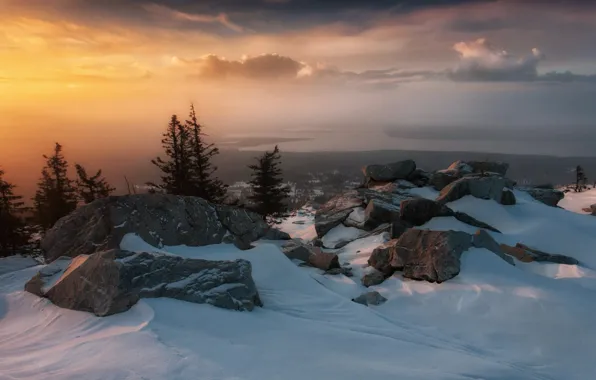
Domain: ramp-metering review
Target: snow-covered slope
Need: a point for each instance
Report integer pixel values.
(493, 321)
(577, 202)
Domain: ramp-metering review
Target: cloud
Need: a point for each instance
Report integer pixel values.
(164, 11)
(481, 61)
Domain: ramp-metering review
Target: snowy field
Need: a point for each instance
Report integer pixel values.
(492, 322)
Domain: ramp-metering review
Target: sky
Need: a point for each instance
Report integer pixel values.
(103, 77)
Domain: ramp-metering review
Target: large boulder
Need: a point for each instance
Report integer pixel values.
(480, 167)
(420, 210)
(441, 178)
(389, 172)
(297, 250)
(159, 219)
(373, 277)
(432, 256)
(336, 210)
(467, 219)
(370, 298)
(111, 282)
(378, 212)
(480, 187)
(508, 198)
(323, 260)
(526, 254)
(549, 197)
(482, 239)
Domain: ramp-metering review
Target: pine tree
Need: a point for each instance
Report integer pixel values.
(91, 188)
(268, 190)
(56, 196)
(176, 171)
(11, 225)
(205, 184)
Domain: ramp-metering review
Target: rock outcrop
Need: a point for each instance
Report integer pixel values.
(480, 187)
(370, 298)
(508, 198)
(389, 172)
(336, 210)
(373, 277)
(479, 167)
(112, 281)
(549, 197)
(159, 219)
(482, 239)
(297, 250)
(526, 254)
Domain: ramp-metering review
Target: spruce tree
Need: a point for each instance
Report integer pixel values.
(204, 182)
(176, 169)
(91, 188)
(56, 196)
(11, 224)
(268, 190)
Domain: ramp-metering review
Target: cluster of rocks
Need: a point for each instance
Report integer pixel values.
(89, 272)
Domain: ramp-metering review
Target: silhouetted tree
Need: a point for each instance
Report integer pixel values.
(268, 190)
(91, 188)
(56, 196)
(204, 182)
(581, 179)
(11, 224)
(176, 170)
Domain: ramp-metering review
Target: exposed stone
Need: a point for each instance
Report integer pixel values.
(526, 254)
(419, 177)
(378, 212)
(479, 187)
(370, 298)
(549, 197)
(159, 219)
(441, 178)
(275, 234)
(432, 256)
(420, 210)
(465, 218)
(389, 172)
(398, 227)
(323, 260)
(480, 167)
(346, 271)
(481, 239)
(508, 198)
(593, 209)
(336, 210)
(373, 277)
(111, 282)
(297, 250)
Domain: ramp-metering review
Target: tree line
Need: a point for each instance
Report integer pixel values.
(187, 169)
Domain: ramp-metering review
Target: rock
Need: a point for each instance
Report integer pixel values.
(370, 298)
(356, 218)
(389, 172)
(297, 250)
(420, 210)
(549, 197)
(323, 260)
(346, 271)
(374, 277)
(159, 219)
(317, 242)
(508, 198)
(593, 209)
(526, 254)
(275, 234)
(432, 256)
(419, 178)
(398, 227)
(440, 179)
(481, 239)
(111, 282)
(465, 218)
(479, 187)
(480, 167)
(378, 212)
(336, 210)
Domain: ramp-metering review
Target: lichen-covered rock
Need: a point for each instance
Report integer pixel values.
(479, 187)
(336, 210)
(432, 256)
(389, 172)
(159, 219)
(370, 298)
(549, 197)
(111, 282)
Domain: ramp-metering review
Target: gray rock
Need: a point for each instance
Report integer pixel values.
(479, 187)
(465, 218)
(370, 298)
(398, 227)
(336, 210)
(508, 198)
(111, 282)
(480, 167)
(420, 210)
(593, 209)
(275, 234)
(482, 239)
(346, 271)
(526, 254)
(432, 256)
(323, 260)
(378, 212)
(297, 250)
(372, 278)
(159, 219)
(441, 178)
(549, 197)
(419, 177)
(389, 172)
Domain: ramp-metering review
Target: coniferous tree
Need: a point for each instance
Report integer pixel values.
(204, 182)
(268, 190)
(11, 224)
(176, 170)
(91, 188)
(56, 196)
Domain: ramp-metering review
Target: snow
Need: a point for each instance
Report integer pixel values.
(341, 234)
(577, 202)
(493, 321)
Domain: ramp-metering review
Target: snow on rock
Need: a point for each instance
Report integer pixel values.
(341, 235)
